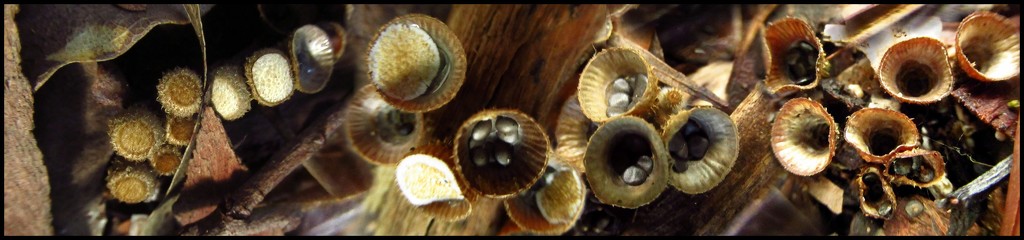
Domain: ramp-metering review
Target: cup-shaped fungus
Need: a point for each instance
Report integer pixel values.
(179, 92)
(877, 199)
(179, 130)
(796, 59)
(988, 47)
(626, 162)
(135, 133)
(426, 180)
(336, 34)
(919, 168)
(804, 137)
(229, 94)
(669, 102)
(269, 75)
(879, 134)
(550, 206)
(501, 152)
(416, 63)
(702, 145)
(312, 55)
(380, 132)
(617, 81)
(916, 71)
(131, 182)
(573, 132)
(166, 160)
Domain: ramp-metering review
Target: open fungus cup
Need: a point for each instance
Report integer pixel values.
(804, 137)
(877, 199)
(573, 133)
(916, 71)
(501, 152)
(617, 81)
(416, 63)
(919, 168)
(988, 47)
(312, 56)
(796, 59)
(702, 145)
(879, 134)
(379, 132)
(626, 161)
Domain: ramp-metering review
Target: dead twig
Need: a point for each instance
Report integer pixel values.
(239, 206)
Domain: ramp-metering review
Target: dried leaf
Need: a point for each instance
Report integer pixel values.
(71, 129)
(193, 11)
(989, 101)
(56, 35)
(161, 221)
(26, 186)
(714, 76)
(865, 22)
(215, 171)
(749, 64)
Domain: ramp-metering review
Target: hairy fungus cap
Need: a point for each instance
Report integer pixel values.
(131, 182)
(135, 133)
(166, 160)
(179, 92)
(230, 95)
(179, 130)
